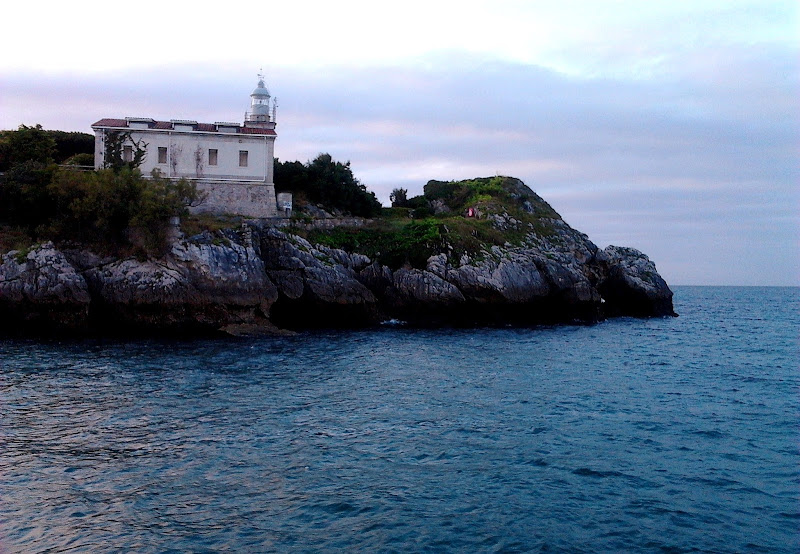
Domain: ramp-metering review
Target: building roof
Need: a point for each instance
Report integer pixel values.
(167, 125)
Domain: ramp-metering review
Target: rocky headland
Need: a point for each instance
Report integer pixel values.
(514, 262)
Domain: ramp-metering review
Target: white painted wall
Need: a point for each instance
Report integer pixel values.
(182, 147)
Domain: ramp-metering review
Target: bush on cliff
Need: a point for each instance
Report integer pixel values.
(326, 182)
(489, 194)
(115, 209)
(395, 246)
(33, 143)
(106, 209)
(504, 211)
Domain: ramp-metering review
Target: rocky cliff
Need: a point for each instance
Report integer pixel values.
(259, 279)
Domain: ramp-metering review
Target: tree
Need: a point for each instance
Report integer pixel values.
(399, 198)
(329, 183)
(115, 144)
(26, 144)
(24, 197)
(69, 144)
(110, 208)
(290, 176)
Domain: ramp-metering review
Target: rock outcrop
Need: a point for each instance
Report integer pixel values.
(42, 290)
(259, 279)
(317, 286)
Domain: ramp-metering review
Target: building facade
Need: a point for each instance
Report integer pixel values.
(231, 163)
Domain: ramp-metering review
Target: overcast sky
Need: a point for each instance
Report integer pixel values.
(670, 126)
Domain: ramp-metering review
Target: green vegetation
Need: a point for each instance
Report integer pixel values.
(390, 244)
(328, 183)
(69, 145)
(399, 198)
(118, 210)
(27, 144)
(489, 195)
(43, 146)
(194, 224)
(81, 159)
(112, 210)
(439, 221)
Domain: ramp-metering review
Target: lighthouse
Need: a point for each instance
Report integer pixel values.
(260, 105)
(231, 163)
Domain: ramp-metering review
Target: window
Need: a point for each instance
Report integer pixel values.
(212, 156)
(127, 154)
(242, 158)
(162, 154)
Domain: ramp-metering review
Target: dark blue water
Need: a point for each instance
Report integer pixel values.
(664, 435)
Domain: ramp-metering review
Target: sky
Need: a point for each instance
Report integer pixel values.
(667, 125)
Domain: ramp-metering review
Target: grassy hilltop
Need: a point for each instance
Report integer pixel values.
(503, 210)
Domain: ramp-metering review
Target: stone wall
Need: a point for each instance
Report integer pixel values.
(245, 199)
(320, 222)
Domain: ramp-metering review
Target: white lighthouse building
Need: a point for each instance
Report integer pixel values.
(231, 163)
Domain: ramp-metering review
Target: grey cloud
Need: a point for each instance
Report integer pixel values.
(703, 154)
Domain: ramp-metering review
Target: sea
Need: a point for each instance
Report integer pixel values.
(631, 435)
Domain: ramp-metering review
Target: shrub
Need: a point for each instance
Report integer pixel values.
(26, 144)
(24, 197)
(412, 244)
(114, 209)
(329, 183)
(80, 159)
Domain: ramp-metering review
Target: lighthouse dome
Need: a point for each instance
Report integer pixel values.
(260, 90)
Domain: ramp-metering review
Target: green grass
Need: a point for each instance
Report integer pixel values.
(393, 242)
(409, 236)
(15, 238)
(195, 224)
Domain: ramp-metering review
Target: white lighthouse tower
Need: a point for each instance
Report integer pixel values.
(259, 114)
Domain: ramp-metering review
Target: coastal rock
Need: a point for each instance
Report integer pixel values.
(506, 264)
(317, 286)
(232, 274)
(423, 287)
(196, 286)
(633, 286)
(422, 297)
(42, 290)
(508, 281)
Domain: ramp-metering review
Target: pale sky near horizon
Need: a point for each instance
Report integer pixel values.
(669, 126)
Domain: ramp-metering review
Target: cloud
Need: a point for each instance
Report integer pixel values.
(700, 154)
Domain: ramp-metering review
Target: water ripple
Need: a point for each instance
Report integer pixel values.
(666, 435)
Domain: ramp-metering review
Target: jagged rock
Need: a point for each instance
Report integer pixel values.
(505, 281)
(290, 283)
(317, 285)
(336, 286)
(422, 297)
(42, 290)
(251, 280)
(439, 207)
(633, 286)
(424, 287)
(233, 274)
(196, 286)
(130, 281)
(355, 261)
(377, 278)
